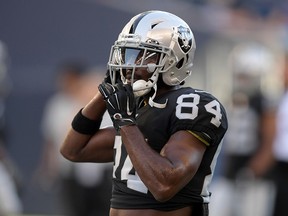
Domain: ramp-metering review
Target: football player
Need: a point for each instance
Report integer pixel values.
(165, 137)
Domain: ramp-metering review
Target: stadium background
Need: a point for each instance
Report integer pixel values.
(39, 34)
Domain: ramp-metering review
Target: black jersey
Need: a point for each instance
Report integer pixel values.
(186, 109)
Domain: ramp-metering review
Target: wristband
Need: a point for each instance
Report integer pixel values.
(84, 125)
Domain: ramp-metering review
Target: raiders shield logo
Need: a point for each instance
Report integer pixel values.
(185, 38)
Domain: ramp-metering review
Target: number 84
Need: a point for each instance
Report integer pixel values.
(212, 107)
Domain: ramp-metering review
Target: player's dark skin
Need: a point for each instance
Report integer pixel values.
(163, 174)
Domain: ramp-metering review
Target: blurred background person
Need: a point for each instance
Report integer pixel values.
(280, 150)
(248, 146)
(10, 176)
(246, 155)
(82, 188)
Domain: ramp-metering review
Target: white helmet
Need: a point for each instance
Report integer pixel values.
(148, 35)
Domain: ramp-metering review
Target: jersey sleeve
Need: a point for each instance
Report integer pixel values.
(199, 112)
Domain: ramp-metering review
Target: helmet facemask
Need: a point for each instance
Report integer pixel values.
(127, 56)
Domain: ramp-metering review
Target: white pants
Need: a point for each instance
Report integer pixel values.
(252, 197)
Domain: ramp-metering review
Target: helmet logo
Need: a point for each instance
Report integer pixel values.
(185, 38)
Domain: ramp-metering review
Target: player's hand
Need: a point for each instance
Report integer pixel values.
(120, 103)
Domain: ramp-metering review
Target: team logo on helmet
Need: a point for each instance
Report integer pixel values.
(185, 38)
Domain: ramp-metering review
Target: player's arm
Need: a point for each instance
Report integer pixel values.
(163, 174)
(89, 145)
(166, 173)
(262, 161)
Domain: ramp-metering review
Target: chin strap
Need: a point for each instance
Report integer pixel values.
(140, 83)
(154, 104)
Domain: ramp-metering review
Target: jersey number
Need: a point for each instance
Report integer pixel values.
(189, 103)
(127, 172)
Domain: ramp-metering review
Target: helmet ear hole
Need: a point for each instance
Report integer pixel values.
(180, 63)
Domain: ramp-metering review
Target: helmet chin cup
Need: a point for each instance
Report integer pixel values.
(140, 88)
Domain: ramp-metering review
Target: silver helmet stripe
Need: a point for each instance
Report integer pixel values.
(136, 22)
